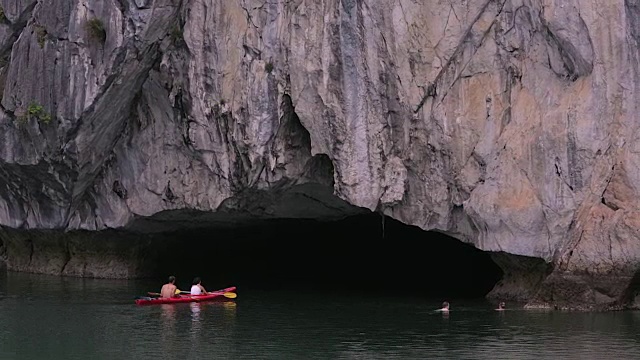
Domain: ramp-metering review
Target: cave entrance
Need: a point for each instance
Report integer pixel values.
(359, 253)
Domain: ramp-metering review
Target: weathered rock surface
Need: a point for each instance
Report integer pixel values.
(509, 124)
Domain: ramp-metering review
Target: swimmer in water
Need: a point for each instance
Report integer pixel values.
(501, 306)
(445, 307)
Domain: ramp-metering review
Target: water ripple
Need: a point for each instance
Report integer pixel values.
(39, 319)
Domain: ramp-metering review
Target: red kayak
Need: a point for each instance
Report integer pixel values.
(217, 295)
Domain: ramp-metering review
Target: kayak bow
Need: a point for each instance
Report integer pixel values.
(218, 295)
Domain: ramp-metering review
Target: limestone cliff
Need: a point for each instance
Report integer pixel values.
(508, 124)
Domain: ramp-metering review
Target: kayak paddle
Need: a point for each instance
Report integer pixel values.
(158, 294)
(229, 295)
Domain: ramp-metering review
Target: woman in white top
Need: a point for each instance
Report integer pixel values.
(197, 288)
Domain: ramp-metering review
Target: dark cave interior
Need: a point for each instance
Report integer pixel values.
(361, 253)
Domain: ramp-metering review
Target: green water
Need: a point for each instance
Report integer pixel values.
(44, 317)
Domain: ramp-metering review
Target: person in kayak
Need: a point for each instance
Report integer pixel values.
(197, 288)
(169, 289)
(501, 306)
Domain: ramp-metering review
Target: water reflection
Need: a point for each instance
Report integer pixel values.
(229, 306)
(168, 333)
(229, 309)
(38, 322)
(195, 311)
(168, 314)
(196, 325)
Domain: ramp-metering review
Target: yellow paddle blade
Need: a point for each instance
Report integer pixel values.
(178, 291)
(230, 295)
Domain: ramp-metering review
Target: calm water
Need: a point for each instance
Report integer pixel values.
(43, 317)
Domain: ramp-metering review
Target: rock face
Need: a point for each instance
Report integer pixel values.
(508, 124)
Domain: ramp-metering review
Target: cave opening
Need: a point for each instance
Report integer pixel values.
(363, 253)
